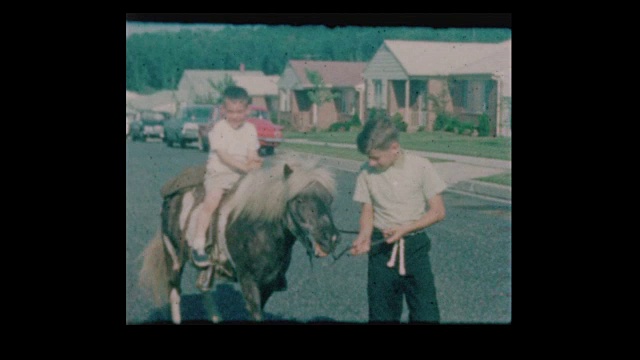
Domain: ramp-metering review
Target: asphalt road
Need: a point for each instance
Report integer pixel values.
(471, 256)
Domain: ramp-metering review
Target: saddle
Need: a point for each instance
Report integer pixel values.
(190, 177)
(222, 268)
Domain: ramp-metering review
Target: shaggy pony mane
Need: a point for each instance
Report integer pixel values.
(263, 194)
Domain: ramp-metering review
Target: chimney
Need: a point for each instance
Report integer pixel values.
(241, 67)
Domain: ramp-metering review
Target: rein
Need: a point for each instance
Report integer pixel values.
(335, 258)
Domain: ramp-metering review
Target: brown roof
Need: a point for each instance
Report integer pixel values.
(442, 58)
(334, 73)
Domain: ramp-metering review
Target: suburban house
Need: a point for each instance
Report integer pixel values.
(131, 95)
(162, 101)
(131, 111)
(263, 89)
(195, 85)
(342, 78)
(464, 80)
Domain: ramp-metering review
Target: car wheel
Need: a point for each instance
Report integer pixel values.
(183, 143)
(168, 140)
(269, 150)
(143, 138)
(203, 146)
(200, 144)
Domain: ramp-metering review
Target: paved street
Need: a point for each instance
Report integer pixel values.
(471, 255)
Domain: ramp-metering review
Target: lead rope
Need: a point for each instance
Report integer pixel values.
(398, 247)
(394, 252)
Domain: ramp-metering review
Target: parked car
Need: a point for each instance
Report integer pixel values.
(269, 134)
(150, 124)
(203, 129)
(183, 128)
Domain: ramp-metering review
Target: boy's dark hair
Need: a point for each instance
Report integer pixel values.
(378, 133)
(236, 93)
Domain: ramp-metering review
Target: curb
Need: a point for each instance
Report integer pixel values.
(473, 187)
(484, 188)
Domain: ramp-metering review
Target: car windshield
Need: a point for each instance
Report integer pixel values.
(259, 114)
(151, 117)
(199, 115)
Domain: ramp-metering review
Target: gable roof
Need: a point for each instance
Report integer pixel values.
(334, 73)
(433, 58)
(154, 101)
(131, 95)
(498, 64)
(199, 80)
(258, 85)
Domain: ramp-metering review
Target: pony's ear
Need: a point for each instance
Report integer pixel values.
(287, 171)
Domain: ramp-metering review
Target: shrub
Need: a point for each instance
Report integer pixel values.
(463, 128)
(355, 121)
(484, 125)
(339, 126)
(373, 113)
(274, 116)
(396, 119)
(452, 125)
(441, 121)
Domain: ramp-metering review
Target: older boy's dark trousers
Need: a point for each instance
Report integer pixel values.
(386, 287)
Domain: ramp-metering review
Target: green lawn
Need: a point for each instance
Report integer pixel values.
(438, 141)
(442, 142)
(501, 179)
(325, 150)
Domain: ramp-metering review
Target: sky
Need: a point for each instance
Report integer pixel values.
(138, 27)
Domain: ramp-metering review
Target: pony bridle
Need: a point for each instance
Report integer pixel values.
(303, 236)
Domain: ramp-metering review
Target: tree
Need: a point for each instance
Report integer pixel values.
(218, 89)
(156, 60)
(320, 93)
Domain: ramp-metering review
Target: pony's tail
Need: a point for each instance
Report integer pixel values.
(154, 275)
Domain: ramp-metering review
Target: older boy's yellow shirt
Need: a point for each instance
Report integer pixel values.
(400, 193)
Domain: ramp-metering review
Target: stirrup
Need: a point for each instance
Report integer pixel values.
(201, 261)
(204, 279)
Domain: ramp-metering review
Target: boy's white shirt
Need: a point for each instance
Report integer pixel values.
(236, 142)
(400, 194)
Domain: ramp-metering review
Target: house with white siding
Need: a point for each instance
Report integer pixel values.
(161, 101)
(195, 86)
(263, 89)
(420, 79)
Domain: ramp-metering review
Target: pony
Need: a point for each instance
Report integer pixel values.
(251, 236)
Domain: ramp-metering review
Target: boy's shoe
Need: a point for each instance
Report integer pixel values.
(200, 260)
(204, 279)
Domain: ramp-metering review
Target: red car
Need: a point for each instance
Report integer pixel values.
(269, 134)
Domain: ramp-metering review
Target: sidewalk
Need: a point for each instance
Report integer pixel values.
(459, 172)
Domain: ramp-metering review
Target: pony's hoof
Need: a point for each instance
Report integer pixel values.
(281, 284)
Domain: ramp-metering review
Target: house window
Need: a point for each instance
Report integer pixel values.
(302, 98)
(346, 101)
(417, 88)
(349, 102)
(471, 96)
(339, 100)
(459, 93)
(377, 94)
